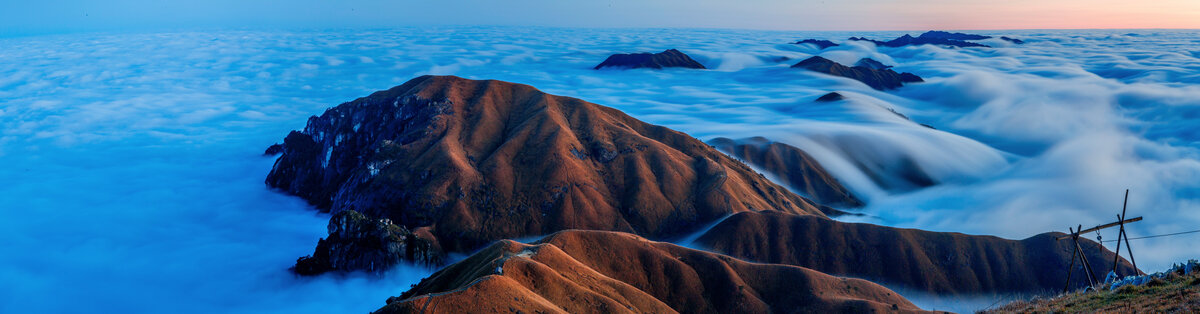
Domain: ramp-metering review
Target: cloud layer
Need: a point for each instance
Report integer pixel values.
(135, 181)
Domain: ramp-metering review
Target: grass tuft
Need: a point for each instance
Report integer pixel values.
(1173, 293)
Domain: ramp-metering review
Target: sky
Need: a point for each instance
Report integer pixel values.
(54, 16)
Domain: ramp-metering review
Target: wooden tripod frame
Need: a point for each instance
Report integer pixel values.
(1078, 250)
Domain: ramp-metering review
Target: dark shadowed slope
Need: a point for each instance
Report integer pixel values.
(670, 58)
(930, 38)
(1012, 40)
(820, 43)
(609, 272)
(952, 36)
(880, 79)
(356, 242)
(871, 64)
(939, 262)
(831, 97)
(795, 167)
(477, 161)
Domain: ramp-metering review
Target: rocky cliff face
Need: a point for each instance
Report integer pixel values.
(939, 262)
(670, 58)
(609, 272)
(342, 149)
(476, 161)
(358, 243)
(880, 79)
(793, 166)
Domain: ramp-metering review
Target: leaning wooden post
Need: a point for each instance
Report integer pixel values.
(1121, 219)
(1117, 252)
(1071, 267)
(1131, 260)
(1078, 250)
(1087, 265)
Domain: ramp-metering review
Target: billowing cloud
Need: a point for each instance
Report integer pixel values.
(134, 175)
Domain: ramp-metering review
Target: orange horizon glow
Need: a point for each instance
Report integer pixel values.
(794, 15)
(1035, 14)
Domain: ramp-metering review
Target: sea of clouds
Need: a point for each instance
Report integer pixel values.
(134, 172)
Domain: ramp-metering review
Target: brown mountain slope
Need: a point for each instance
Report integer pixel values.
(579, 271)
(476, 161)
(792, 165)
(939, 262)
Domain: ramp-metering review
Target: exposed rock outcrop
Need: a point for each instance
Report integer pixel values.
(358, 243)
(938, 262)
(880, 79)
(474, 161)
(670, 58)
(820, 43)
(831, 97)
(795, 167)
(609, 272)
(274, 149)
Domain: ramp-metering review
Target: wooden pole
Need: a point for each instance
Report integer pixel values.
(1071, 267)
(1121, 234)
(1107, 225)
(1087, 265)
(1131, 260)
(1117, 253)
(1128, 248)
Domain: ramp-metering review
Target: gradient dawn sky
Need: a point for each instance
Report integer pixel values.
(48, 16)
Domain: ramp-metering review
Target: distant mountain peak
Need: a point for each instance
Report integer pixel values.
(474, 161)
(670, 58)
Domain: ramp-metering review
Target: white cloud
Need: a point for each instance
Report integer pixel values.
(122, 141)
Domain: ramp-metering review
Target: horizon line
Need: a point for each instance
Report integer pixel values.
(204, 28)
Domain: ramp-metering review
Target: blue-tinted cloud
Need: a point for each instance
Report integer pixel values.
(134, 181)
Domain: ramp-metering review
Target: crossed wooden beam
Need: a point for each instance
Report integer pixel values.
(1087, 266)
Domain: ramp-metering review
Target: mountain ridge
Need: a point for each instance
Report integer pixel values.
(476, 161)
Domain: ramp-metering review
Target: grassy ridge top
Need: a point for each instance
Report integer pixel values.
(1173, 293)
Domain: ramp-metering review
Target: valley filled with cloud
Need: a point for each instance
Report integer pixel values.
(136, 172)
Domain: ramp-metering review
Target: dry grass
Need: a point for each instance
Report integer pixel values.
(1175, 293)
